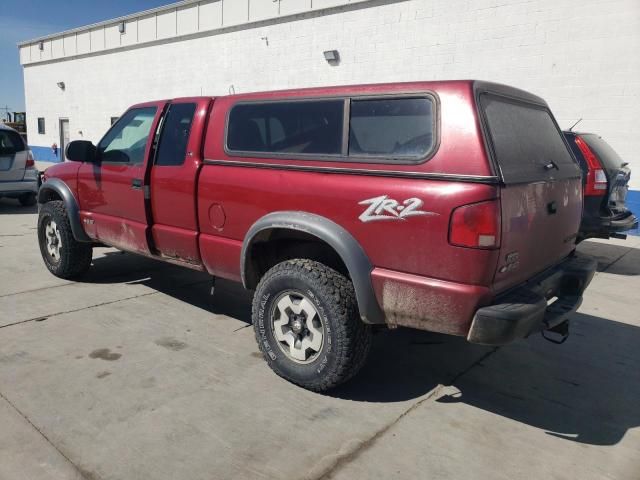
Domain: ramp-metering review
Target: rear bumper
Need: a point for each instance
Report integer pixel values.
(520, 312)
(627, 222)
(602, 226)
(425, 303)
(27, 185)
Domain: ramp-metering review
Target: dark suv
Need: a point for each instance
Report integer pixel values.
(605, 177)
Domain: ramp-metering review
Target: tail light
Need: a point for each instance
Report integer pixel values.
(476, 225)
(30, 160)
(596, 184)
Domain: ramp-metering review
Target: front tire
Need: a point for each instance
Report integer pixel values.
(306, 322)
(63, 255)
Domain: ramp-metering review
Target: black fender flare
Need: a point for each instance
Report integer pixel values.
(347, 247)
(70, 203)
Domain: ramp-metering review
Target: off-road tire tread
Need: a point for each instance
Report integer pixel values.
(76, 257)
(353, 336)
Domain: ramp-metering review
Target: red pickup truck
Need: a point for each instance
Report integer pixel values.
(445, 206)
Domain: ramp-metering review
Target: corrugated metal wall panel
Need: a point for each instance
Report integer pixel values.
(185, 18)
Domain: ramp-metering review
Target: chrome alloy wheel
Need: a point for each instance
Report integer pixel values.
(297, 327)
(53, 241)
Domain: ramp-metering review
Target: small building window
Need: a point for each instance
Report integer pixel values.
(114, 120)
(41, 125)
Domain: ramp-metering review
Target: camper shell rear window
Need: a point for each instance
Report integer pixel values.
(526, 141)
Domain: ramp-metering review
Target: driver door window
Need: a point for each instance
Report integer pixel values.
(127, 140)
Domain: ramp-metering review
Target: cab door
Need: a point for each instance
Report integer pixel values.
(112, 190)
(173, 180)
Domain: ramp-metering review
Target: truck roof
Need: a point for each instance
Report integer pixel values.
(378, 88)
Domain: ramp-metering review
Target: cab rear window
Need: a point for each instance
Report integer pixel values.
(527, 144)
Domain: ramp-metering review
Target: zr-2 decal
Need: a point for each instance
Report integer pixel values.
(385, 208)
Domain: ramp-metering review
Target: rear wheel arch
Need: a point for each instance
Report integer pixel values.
(55, 189)
(282, 236)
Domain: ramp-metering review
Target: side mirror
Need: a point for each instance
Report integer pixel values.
(80, 151)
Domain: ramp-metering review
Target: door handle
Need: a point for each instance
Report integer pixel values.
(136, 184)
(551, 165)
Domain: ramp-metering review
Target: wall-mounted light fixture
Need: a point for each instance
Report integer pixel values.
(122, 27)
(41, 46)
(332, 57)
(61, 85)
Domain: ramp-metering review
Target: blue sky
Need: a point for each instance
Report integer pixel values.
(26, 19)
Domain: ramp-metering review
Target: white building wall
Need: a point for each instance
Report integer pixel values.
(580, 55)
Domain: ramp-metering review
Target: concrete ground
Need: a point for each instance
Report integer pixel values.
(42, 166)
(136, 373)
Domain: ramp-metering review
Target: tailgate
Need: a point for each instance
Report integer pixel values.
(541, 198)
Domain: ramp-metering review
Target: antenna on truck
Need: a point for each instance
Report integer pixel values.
(572, 126)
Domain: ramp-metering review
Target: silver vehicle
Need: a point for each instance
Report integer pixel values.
(19, 177)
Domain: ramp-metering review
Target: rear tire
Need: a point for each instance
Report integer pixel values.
(63, 255)
(27, 199)
(307, 325)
